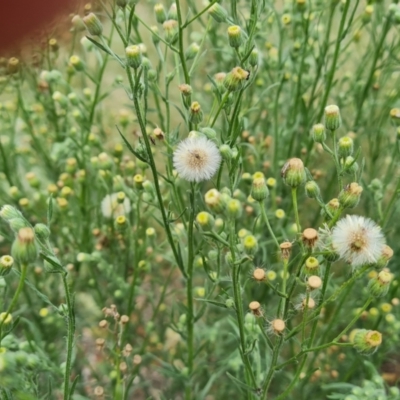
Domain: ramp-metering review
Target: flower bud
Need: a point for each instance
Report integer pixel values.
(8, 213)
(349, 165)
(185, 89)
(93, 24)
(133, 56)
(250, 245)
(259, 189)
(77, 23)
(13, 65)
(195, 113)
(192, 51)
(209, 133)
(5, 318)
(308, 304)
(121, 223)
(6, 263)
(349, 197)
(42, 232)
(17, 223)
(173, 12)
(386, 255)
(395, 115)
(254, 57)
(234, 208)
(77, 63)
(161, 15)
(366, 341)
(332, 117)
(312, 190)
(213, 200)
(170, 30)
(218, 12)
(311, 266)
(235, 36)
(379, 285)
(293, 172)
(332, 207)
(205, 220)
(236, 79)
(24, 248)
(345, 147)
(226, 152)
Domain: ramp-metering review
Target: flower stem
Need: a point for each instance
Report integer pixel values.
(265, 218)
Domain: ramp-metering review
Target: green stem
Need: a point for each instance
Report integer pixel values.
(15, 297)
(296, 209)
(265, 218)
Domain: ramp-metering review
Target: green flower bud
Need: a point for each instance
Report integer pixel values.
(254, 58)
(93, 24)
(250, 245)
(192, 51)
(77, 23)
(312, 190)
(294, 173)
(205, 220)
(173, 12)
(350, 165)
(395, 115)
(379, 286)
(318, 133)
(42, 232)
(349, 197)
(24, 249)
(218, 12)
(332, 117)
(226, 152)
(5, 318)
(311, 266)
(236, 79)
(133, 56)
(155, 36)
(229, 303)
(235, 36)
(209, 133)
(259, 189)
(6, 263)
(195, 113)
(161, 15)
(345, 147)
(8, 212)
(366, 341)
(17, 223)
(234, 208)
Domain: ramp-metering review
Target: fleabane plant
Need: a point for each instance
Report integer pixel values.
(214, 188)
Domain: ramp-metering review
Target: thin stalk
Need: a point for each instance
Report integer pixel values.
(265, 219)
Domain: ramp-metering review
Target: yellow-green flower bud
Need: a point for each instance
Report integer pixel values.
(213, 200)
(259, 189)
(195, 113)
(379, 285)
(5, 318)
(395, 115)
(250, 245)
(366, 341)
(349, 197)
(350, 165)
(311, 266)
(42, 232)
(133, 56)
(235, 36)
(122, 3)
(345, 146)
(77, 63)
(218, 12)
(332, 206)
(312, 190)
(294, 173)
(159, 11)
(6, 263)
(192, 51)
(209, 133)
(8, 213)
(93, 24)
(24, 248)
(318, 133)
(205, 220)
(332, 117)
(234, 208)
(173, 12)
(121, 223)
(185, 89)
(138, 181)
(236, 79)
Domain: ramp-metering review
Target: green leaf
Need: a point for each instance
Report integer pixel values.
(49, 210)
(137, 155)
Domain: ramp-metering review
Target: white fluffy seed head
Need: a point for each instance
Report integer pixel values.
(197, 159)
(358, 240)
